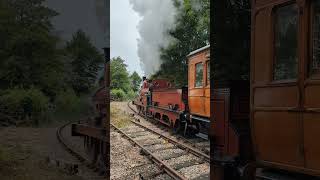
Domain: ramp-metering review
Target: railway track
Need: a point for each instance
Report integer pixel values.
(175, 158)
(196, 142)
(78, 155)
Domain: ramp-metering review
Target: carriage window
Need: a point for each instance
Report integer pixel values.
(208, 72)
(285, 43)
(315, 64)
(199, 75)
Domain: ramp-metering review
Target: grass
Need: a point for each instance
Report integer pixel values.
(118, 117)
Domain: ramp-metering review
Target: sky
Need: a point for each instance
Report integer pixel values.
(91, 16)
(124, 34)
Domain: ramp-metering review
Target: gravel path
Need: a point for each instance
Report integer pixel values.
(128, 163)
(40, 155)
(189, 165)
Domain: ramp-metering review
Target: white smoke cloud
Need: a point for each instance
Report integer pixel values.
(158, 16)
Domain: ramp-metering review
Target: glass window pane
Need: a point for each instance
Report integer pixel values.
(199, 75)
(208, 72)
(286, 43)
(315, 64)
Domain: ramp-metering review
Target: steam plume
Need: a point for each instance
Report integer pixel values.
(158, 16)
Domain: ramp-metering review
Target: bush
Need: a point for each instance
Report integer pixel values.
(26, 103)
(69, 106)
(131, 95)
(66, 101)
(118, 94)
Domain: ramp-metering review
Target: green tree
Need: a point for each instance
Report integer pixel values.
(86, 61)
(231, 37)
(28, 53)
(119, 75)
(190, 33)
(135, 81)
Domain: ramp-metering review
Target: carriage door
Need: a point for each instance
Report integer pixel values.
(275, 101)
(311, 115)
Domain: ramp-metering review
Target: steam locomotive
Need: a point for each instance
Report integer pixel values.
(185, 109)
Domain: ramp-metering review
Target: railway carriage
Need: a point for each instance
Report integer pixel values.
(199, 88)
(284, 95)
(183, 109)
(285, 84)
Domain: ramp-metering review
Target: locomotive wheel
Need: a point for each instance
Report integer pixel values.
(178, 127)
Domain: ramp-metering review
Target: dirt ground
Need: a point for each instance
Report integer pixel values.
(35, 153)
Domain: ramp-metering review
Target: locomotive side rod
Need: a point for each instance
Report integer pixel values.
(164, 166)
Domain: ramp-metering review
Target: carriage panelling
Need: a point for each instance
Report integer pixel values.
(199, 97)
(284, 113)
(261, 43)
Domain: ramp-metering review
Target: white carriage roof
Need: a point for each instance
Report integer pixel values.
(198, 50)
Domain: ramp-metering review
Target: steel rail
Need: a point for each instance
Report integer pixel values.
(71, 150)
(164, 166)
(68, 147)
(192, 150)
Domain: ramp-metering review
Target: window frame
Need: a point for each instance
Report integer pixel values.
(207, 73)
(273, 44)
(316, 74)
(195, 75)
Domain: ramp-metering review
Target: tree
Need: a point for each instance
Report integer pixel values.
(28, 52)
(86, 61)
(135, 81)
(190, 33)
(119, 75)
(231, 37)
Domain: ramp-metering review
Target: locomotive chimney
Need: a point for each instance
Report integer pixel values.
(144, 78)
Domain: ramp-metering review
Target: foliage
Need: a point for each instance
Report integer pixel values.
(119, 75)
(190, 33)
(135, 81)
(231, 37)
(26, 103)
(131, 95)
(35, 72)
(123, 86)
(70, 106)
(28, 51)
(67, 101)
(118, 94)
(86, 62)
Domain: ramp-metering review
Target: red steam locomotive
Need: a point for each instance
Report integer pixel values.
(184, 109)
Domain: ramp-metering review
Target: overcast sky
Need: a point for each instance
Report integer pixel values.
(124, 34)
(87, 15)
